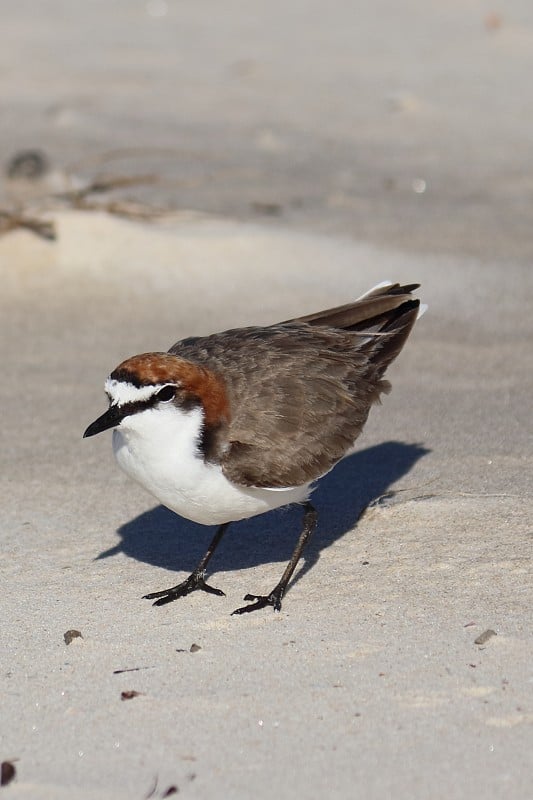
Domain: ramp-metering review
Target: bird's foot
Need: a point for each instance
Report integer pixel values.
(261, 601)
(195, 581)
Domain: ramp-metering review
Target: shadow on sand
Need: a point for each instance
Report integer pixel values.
(162, 538)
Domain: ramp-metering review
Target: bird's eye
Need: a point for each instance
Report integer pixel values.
(165, 394)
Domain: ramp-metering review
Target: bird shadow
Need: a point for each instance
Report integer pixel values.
(163, 539)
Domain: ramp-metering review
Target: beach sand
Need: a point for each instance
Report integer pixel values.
(299, 160)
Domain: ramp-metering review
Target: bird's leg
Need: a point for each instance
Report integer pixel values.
(276, 595)
(196, 579)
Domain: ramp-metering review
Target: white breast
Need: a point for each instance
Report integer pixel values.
(158, 448)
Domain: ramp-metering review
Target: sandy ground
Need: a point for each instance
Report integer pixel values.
(304, 158)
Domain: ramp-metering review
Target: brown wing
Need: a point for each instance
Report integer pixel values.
(300, 391)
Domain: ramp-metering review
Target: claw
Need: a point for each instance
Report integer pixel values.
(191, 584)
(261, 601)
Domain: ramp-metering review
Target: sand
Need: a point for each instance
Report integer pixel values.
(313, 157)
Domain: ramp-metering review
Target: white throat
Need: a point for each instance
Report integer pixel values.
(158, 447)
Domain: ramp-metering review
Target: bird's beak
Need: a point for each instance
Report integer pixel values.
(110, 419)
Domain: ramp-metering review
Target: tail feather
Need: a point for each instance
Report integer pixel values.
(383, 349)
(386, 314)
(379, 305)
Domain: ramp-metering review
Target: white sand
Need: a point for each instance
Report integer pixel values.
(369, 683)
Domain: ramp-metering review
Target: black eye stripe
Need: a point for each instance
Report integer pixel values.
(135, 407)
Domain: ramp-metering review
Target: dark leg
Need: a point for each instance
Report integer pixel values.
(196, 579)
(276, 595)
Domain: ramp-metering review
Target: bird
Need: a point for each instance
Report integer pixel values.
(231, 425)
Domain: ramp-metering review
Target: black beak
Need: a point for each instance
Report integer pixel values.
(110, 419)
